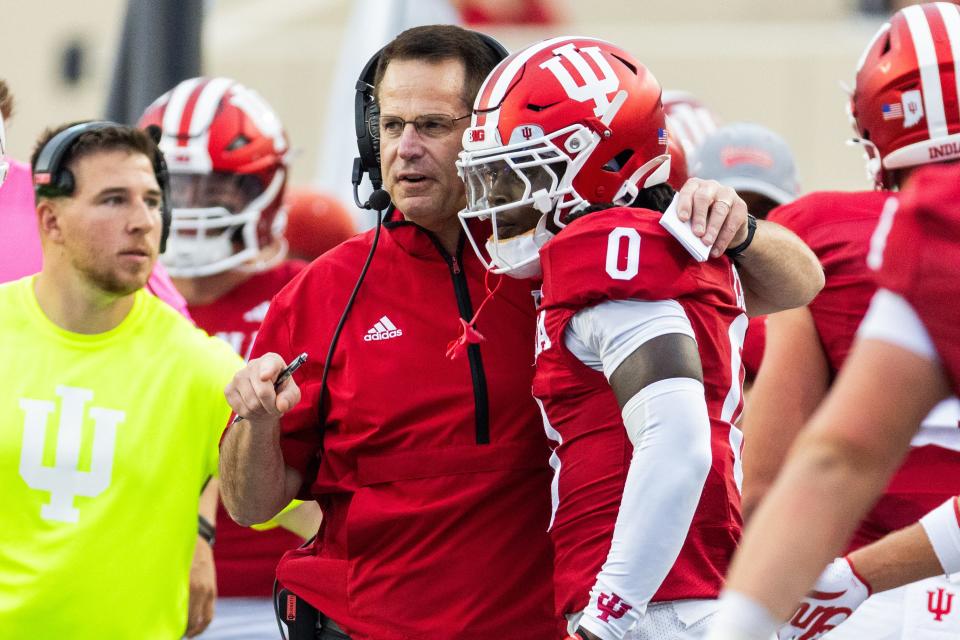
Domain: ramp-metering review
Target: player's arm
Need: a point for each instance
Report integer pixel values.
(791, 383)
(203, 575)
(778, 270)
(256, 483)
(922, 550)
(836, 470)
(925, 549)
(647, 351)
(299, 517)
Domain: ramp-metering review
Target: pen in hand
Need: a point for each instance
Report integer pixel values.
(284, 374)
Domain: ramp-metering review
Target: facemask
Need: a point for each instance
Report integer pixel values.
(519, 256)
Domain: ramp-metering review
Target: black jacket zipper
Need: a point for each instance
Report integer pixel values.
(481, 404)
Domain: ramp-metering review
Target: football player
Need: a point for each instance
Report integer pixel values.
(906, 112)
(638, 343)
(227, 154)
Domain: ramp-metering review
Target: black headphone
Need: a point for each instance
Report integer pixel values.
(366, 115)
(53, 180)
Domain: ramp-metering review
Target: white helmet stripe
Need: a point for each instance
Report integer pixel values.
(951, 20)
(206, 107)
(175, 105)
(505, 79)
(929, 70)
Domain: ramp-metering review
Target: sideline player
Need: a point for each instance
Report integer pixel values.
(228, 164)
(114, 411)
(638, 343)
(833, 450)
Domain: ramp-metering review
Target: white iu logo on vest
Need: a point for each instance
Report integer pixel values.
(594, 87)
(64, 480)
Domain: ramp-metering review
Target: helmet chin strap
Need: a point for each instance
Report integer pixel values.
(874, 164)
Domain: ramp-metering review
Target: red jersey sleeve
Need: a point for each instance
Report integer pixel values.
(921, 257)
(615, 254)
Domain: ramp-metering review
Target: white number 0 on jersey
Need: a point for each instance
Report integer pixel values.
(615, 246)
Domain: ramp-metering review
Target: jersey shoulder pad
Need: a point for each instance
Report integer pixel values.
(614, 254)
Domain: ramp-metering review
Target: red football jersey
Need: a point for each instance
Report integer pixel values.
(753, 345)
(921, 258)
(837, 226)
(621, 254)
(246, 559)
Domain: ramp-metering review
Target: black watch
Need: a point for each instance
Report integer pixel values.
(733, 252)
(206, 530)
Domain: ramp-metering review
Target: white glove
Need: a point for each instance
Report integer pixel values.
(835, 596)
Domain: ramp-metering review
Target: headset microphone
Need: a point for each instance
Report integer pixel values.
(379, 199)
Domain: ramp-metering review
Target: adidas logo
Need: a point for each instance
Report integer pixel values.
(383, 330)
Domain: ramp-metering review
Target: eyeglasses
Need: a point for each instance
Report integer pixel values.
(431, 125)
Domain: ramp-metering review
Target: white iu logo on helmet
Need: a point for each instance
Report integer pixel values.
(595, 88)
(64, 480)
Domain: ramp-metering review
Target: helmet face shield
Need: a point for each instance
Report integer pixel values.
(215, 220)
(231, 191)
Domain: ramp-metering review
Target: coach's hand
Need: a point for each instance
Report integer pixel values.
(203, 589)
(718, 214)
(251, 394)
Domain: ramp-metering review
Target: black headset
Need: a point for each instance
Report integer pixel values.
(366, 116)
(51, 179)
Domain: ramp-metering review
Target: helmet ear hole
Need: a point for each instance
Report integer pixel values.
(238, 142)
(617, 162)
(886, 45)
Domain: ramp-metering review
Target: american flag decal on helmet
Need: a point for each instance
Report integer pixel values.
(662, 136)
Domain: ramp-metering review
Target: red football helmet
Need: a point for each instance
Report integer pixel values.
(227, 155)
(689, 120)
(905, 101)
(574, 121)
(316, 223)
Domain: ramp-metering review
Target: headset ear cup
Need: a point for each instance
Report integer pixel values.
(373, 126)
(64, 181)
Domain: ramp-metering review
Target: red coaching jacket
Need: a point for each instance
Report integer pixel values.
(431, 473)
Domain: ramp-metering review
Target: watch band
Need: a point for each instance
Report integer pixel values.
(206, 530)
(733, 252)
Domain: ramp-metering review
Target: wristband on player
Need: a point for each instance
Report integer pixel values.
(733, 252)
(943, 531)
(206, 530)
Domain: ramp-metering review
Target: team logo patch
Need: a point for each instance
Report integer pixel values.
(525, 132)
(599, 79)
(912, 107)
(909, 109)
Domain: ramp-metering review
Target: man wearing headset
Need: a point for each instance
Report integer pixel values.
(111, 400)
(431, 472)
